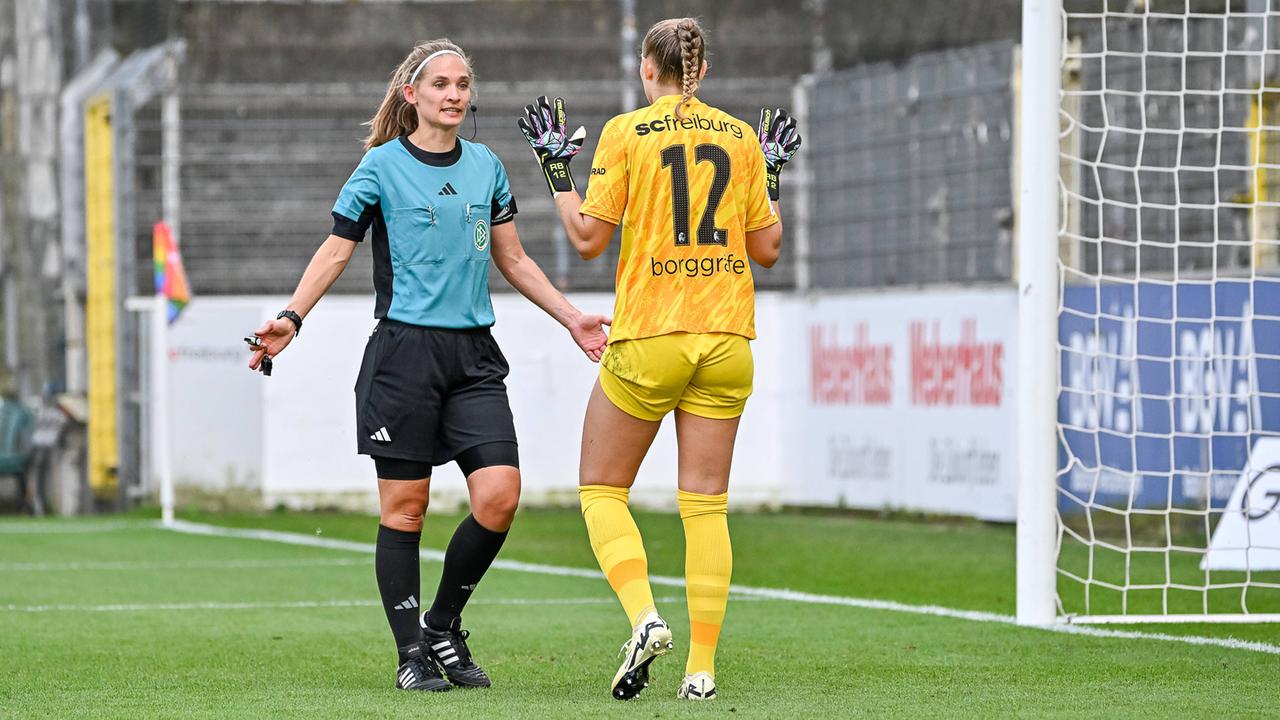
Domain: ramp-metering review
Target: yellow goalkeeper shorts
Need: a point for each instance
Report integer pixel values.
(706, 374)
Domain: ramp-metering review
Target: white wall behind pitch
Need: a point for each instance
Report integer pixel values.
(216, 406)
(294, 433)
(898, 450)
(292, 436)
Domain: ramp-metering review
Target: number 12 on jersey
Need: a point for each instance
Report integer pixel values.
(674, 158)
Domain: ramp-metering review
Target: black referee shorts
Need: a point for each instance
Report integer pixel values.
(431, 394)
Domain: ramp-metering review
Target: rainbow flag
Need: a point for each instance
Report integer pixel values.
(171, 279)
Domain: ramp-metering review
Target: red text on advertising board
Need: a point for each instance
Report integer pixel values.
(964, 372)
(852, 373)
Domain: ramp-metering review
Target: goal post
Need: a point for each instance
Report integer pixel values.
(1149, 312)
(1037, 279)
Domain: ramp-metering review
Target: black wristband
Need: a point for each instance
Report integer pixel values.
(558, 175)
(295, 317)
(771, 180)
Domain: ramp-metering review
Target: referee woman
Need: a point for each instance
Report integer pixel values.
(431, 388)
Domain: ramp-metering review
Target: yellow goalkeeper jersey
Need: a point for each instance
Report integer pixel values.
(686, 191)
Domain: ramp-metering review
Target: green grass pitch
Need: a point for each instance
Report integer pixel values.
(105, 617)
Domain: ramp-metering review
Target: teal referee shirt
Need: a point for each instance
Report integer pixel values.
(432, 216)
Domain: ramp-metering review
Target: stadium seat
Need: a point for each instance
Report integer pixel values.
(15, 442)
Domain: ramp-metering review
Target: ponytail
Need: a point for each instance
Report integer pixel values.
(395, 116)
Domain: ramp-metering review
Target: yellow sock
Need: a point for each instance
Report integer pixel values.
(708, 563)
(615, 539)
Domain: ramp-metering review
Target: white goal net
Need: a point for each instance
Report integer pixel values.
(1168, 493)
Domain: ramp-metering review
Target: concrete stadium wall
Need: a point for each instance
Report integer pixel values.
(290, 41)
(274, 95)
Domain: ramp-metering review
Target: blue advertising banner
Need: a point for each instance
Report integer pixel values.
(1164, 389)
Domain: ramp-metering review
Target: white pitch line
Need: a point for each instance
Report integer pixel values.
(1232, 643)
(978, 616)
(67, 528)
(744, 590)
(298, 604)
(177, 564)
(145, 607)
(288, 538)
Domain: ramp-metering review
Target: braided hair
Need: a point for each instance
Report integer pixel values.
(677, 49)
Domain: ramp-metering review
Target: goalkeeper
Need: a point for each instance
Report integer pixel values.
(696, 192)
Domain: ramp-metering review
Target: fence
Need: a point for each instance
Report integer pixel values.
(912, 183)
(262, 164)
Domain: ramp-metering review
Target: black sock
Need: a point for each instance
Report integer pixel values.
(395, 562)
(469, 555)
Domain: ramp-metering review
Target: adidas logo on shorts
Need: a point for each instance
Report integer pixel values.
(382, 435)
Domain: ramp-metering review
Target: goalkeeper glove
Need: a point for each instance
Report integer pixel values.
(780, 141)
(543, 126)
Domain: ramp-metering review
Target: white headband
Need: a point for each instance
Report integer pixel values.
(431, 57)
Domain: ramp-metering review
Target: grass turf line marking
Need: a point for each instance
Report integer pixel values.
(978, 616)
(177, 564)
(291, 605)
(68, 528)
(183, 526)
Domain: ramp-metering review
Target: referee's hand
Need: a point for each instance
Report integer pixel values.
(588, 332)
(275, 336)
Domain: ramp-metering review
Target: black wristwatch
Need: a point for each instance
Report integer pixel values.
(295, 317)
